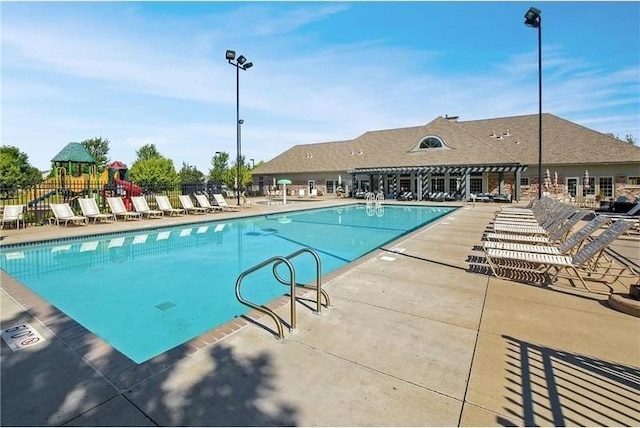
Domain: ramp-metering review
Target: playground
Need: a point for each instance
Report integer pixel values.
(74, 175)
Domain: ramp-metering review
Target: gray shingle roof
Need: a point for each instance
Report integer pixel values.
(74, 152)
(467, 143)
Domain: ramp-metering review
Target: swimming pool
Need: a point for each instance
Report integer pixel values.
(149, 291)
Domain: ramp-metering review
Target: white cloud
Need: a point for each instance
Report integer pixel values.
(66, 81)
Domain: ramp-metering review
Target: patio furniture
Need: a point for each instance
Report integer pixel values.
(246, 203)
(587, 264)
(568, 246)
(204, 203)
(90, 210)
(222, 203)
(165, 206)
(188, 206)
(119, 210)
(140, 205)
(12, 214)
(63, 213)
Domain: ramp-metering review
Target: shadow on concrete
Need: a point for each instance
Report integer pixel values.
(552, 387)
(50, 384)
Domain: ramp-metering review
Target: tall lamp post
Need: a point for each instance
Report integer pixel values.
(533, 19)
(240, 64)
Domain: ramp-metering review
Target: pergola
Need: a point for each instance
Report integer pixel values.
(424, 174)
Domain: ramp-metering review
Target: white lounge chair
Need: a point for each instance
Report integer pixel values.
(587, 264)
(64, 213)
(188, 206)
(568, 246)
(246, 203)
(222, 203)
(12, 214)
(140, 205)
(119, 210)
(632, 214)
(90, 210)
(554, 236)
(165, 206)
(204, 203)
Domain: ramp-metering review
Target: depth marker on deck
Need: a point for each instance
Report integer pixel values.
(21, 336)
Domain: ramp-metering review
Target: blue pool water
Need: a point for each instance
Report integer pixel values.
(149, 291)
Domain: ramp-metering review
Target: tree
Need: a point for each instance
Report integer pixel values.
(219, 167)
(98, 148)
(630, 139)
(15, 169)
(154, 172)
(148, 151)
(152, 169)
(190, 174)
(231, 175)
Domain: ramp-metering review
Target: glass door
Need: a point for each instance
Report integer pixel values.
(572, 186)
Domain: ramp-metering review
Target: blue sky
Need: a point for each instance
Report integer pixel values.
(154, 72)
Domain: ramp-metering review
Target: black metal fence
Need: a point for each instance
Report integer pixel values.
(37, 198)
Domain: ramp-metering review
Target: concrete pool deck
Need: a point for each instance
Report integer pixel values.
(415, 337)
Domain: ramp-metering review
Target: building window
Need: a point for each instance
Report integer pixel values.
(431, 143)
(475, 185)
(605, 186)
(453, 185)
(524, 182)
(405, 184)
(437, 184)
(330, 186)
(592, 187)
(634, 181)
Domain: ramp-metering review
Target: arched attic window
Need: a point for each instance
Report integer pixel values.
(430, 142)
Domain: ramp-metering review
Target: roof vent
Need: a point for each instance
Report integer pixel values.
(506, 134)
(454, 118)
(499, 137)
(352, 153)
(309, 155)
(360, 152)
(493, 134)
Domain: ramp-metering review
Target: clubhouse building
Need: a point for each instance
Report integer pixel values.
(448, 155)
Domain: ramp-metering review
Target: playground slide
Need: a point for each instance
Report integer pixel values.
(41, 198)
(129, 187)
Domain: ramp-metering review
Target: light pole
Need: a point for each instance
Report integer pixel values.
(533, 19)
(216, 185)
(240, 64)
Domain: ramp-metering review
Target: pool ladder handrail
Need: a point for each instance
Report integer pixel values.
(319, 291)
(374, 199)
(276, 261)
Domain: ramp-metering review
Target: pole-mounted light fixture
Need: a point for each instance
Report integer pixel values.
(533, 19)
(240, 64)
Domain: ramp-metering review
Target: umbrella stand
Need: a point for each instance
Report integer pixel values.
(284, 182)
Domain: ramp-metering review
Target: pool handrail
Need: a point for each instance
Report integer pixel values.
(264, 309)
(319, 291)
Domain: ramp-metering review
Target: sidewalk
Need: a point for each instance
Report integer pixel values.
(415, 337)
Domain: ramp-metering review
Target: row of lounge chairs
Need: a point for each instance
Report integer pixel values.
(540, 244)
(63, 214)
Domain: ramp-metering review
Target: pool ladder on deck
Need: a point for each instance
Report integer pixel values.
(286, 260)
